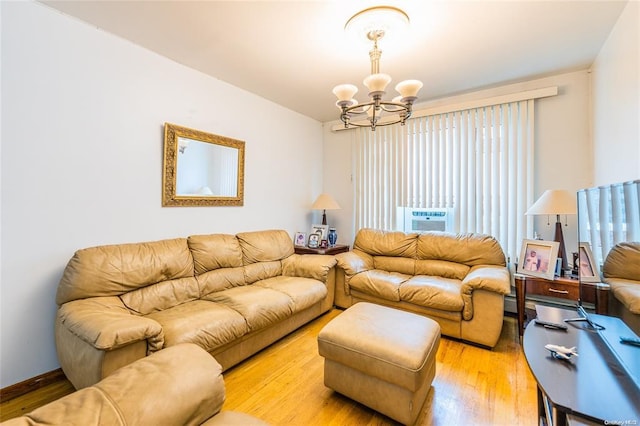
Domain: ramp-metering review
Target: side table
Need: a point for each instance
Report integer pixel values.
(562, 288)
(338, 248)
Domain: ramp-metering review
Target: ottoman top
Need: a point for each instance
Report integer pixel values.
(372, 338)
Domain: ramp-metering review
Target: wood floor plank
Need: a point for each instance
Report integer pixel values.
(283, 385)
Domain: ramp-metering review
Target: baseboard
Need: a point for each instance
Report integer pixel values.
(31, 384)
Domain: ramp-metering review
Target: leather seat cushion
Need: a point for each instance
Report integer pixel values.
(395, 346)
(305, 292)
(433, 292)
(379, 283)
(207, 324)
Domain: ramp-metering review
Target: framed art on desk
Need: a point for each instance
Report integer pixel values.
(587, 267)
(538, 258)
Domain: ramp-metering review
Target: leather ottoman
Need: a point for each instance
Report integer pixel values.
(381, 357)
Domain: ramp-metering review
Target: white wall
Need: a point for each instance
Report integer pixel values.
(616, 102)
(562, 148)
(82, 135)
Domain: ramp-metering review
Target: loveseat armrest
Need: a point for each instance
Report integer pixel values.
(355, 261)
(316, 266)
(483, 277)
(106, 324)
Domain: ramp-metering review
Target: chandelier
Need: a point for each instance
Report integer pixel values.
(375, 22)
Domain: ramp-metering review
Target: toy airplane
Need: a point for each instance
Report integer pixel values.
(561, 352)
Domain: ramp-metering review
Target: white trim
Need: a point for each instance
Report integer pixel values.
(478, 103)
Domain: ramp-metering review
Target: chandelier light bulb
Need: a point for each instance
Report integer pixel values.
(377, 83)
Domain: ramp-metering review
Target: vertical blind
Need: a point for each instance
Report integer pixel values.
(608, 215)
(478, 163)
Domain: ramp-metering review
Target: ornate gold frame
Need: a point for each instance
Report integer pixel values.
(170, 167)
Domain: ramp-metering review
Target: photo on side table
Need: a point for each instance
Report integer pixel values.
(323, 230)
(587, 268)
(538, 258)
(300, 239)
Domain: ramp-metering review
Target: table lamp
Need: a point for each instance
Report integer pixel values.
(556, 201)
(325, 202)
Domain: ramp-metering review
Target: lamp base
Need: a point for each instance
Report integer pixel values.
(560, 239)
(324, 217)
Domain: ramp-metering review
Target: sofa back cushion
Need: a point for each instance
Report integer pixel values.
(386, 243)
(623, 261)
(113, 270)
(211, 252)
(265, 246)
(469, 249)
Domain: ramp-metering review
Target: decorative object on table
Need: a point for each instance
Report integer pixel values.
(300, 239)
(332, 237)
(324, 244)
(561, 352)
(325, 202)
(538, 258)
(556, 202)
(588, 271)
(314, 241)
(375, 23)
(323, 230)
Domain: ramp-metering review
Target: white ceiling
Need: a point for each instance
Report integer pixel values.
(295, 52)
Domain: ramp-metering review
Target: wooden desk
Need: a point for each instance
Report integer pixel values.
(598, 385)
(338, 248)
(562, 288)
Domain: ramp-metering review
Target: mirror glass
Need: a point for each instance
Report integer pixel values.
(202, 169)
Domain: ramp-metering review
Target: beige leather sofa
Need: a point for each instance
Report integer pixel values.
(457, 280)
(182, 385)
(621, 270)
(231, 295)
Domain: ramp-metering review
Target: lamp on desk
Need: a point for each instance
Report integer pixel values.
(325, 202)
(556, 201)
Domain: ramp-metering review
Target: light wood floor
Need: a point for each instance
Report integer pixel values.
(283, 385)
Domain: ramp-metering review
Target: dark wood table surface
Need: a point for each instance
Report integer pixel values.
(599, 384)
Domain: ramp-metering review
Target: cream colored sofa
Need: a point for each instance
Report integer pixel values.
(231, 295)
(182, 385)
(621, 270)
(457, 280)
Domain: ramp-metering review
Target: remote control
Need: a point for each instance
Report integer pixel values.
(630, 340)
(551, 324)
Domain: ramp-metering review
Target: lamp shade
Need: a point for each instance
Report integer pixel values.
(554, 201)
(325, 202)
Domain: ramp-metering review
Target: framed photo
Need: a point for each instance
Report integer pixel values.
(538, 258)
(323, 230)
(314, 240)
(300, 239)
(587, 268)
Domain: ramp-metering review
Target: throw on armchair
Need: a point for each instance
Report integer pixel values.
(457, 280)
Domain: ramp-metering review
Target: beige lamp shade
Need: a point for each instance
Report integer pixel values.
(554, 201)
(325, 202)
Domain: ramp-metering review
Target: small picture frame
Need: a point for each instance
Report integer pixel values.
(300, 239)
(314, 240)
(538, 258)
(587, 268)
(323, 230)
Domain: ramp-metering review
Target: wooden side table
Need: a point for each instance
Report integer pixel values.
(338, 248)
(562, 288)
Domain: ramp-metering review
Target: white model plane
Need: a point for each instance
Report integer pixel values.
(561, 352)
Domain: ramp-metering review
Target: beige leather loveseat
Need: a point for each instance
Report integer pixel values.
(621, 270)
(231, 295)
(457, 280)
(180, 386)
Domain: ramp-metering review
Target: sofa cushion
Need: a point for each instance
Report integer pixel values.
(623, 261)
(214, 251)
(161, 296)
(261, 271)
(442, 268)
(433, 292)
(627, 292)
(403, 265)
(259, 306)
(265, 246)
(305, 292)
(116, 269)
(207, 324)
(379, 283)
(385, 243)
(220, 279)
(469, 249)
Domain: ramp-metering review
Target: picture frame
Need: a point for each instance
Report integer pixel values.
(300, 239)
(538, 258)
(323, 230)
(314, 240)
(588, 271)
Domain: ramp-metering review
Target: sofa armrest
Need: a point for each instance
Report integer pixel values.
(355, 261)
(483, 277)
(316, 266)
(106, 324)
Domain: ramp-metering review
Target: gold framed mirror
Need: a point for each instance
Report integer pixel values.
(201, 169)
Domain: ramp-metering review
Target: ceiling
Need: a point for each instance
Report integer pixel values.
(294, 52)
